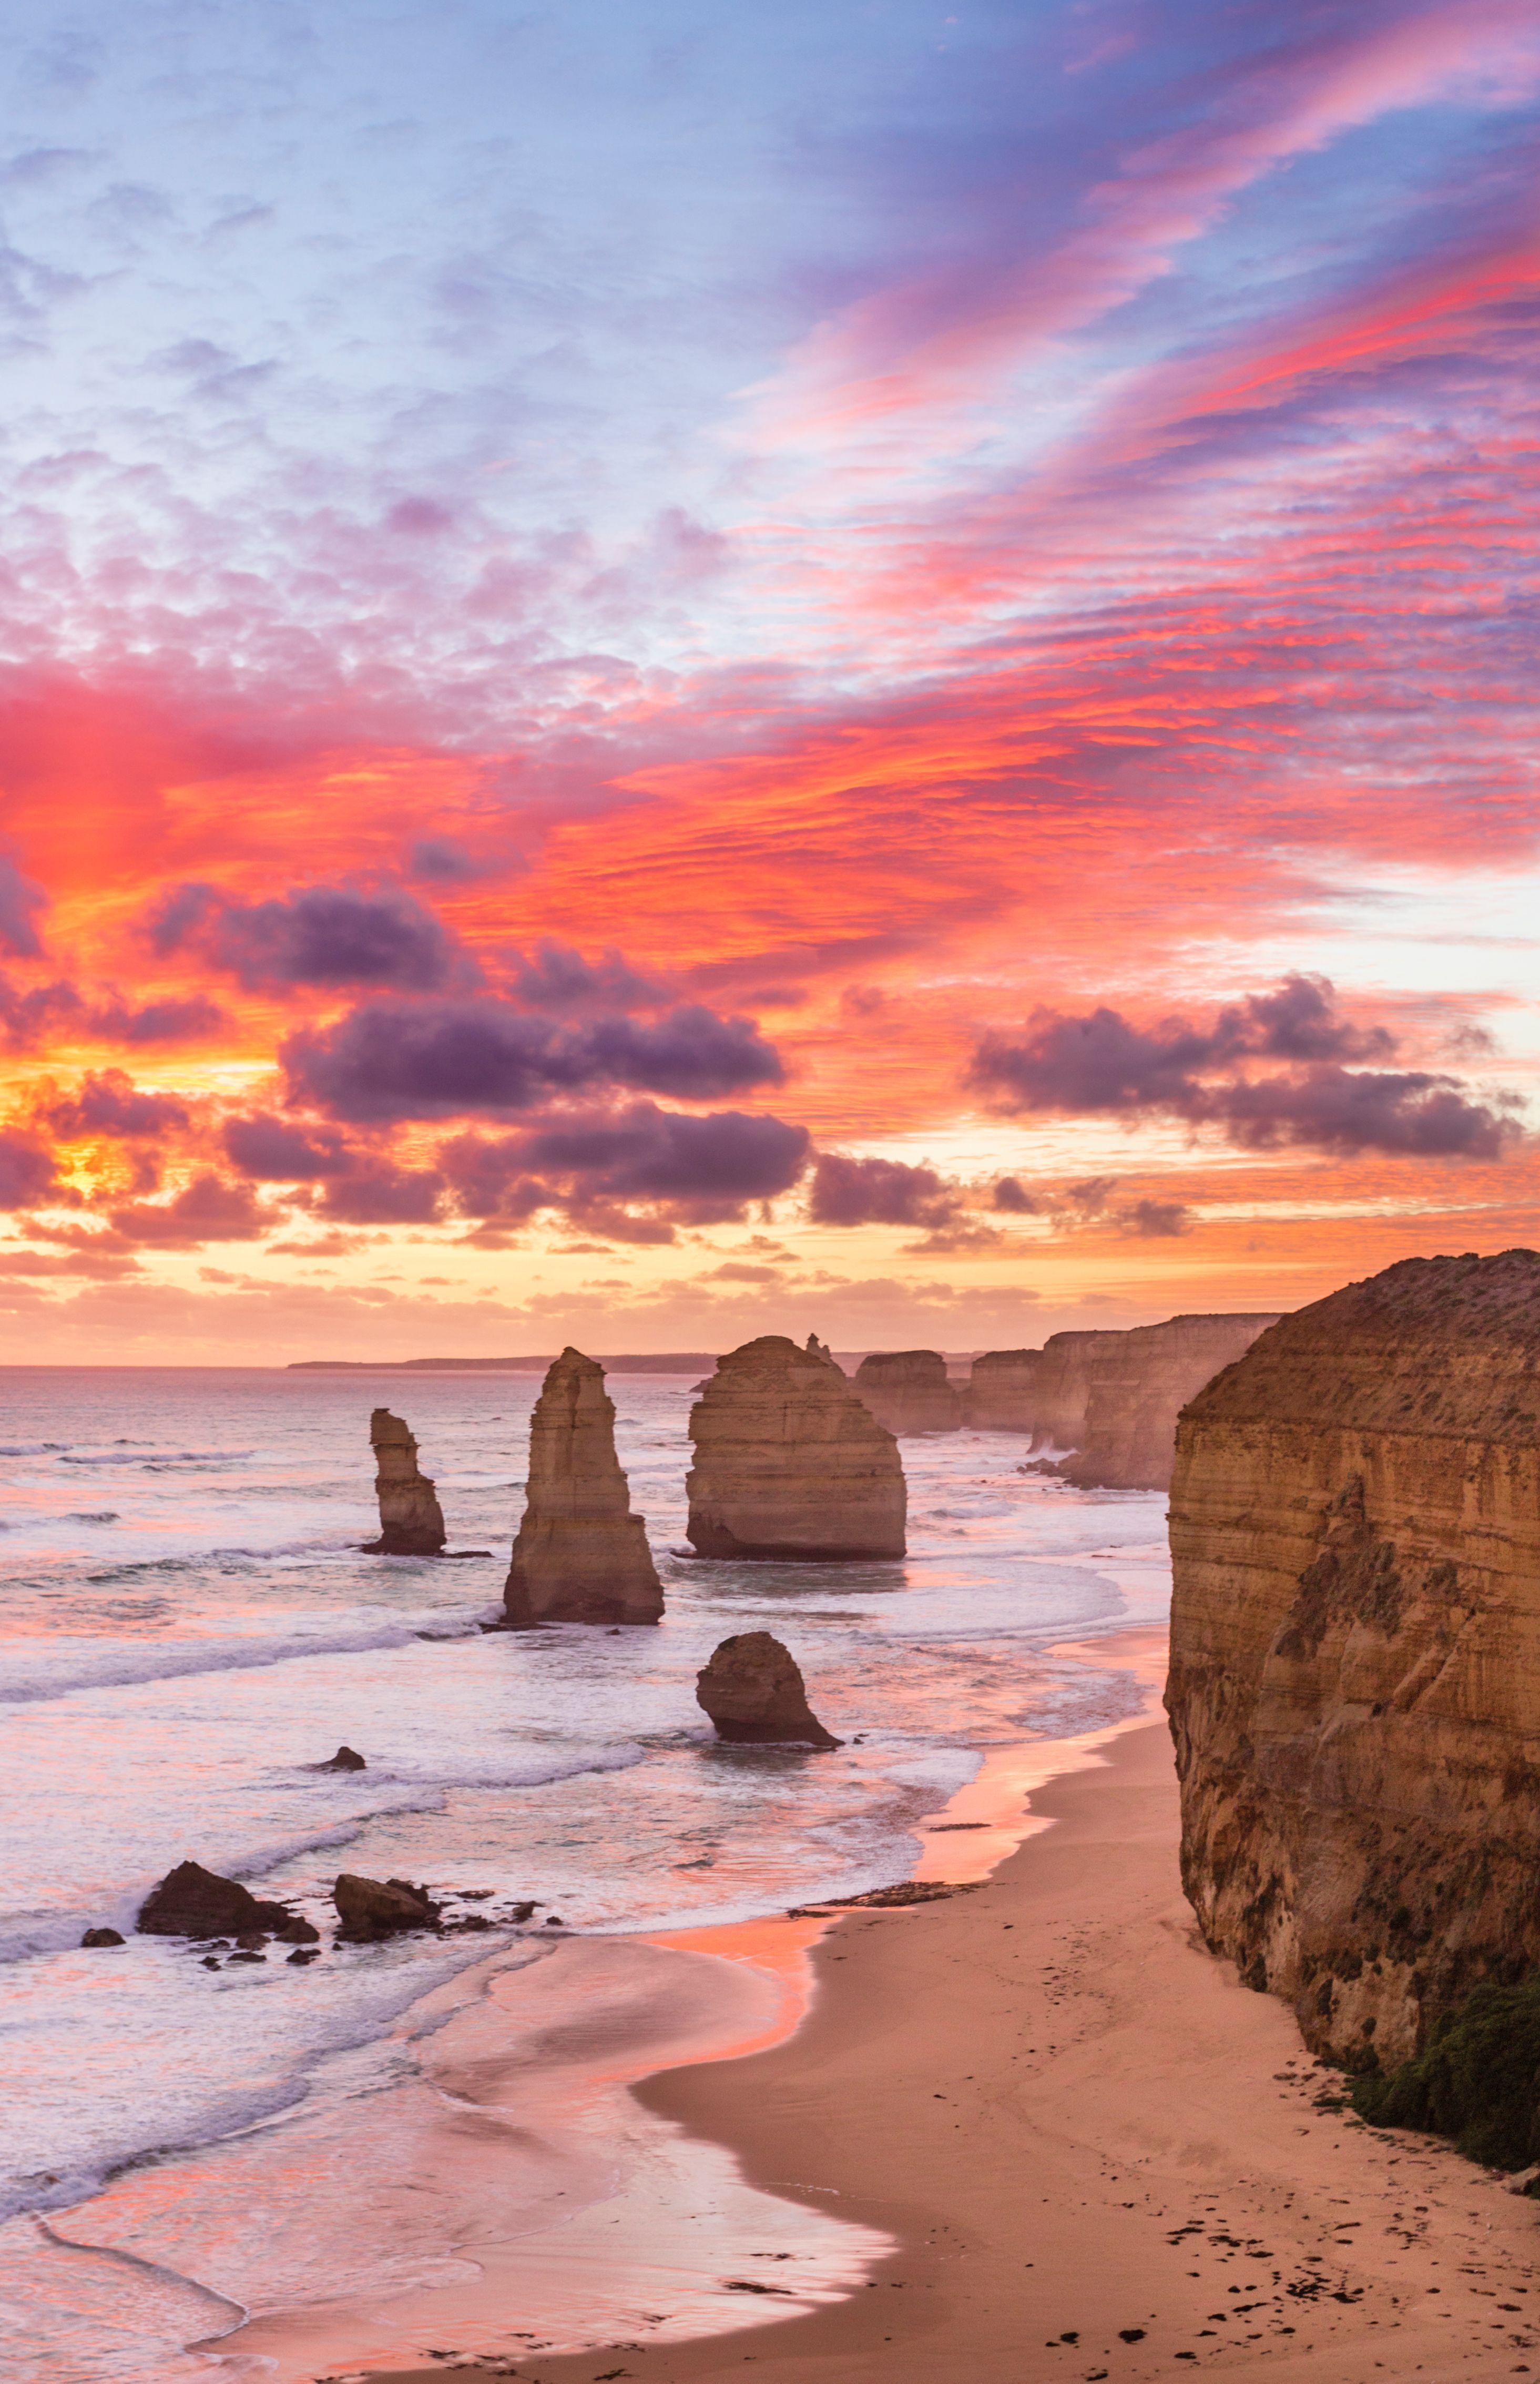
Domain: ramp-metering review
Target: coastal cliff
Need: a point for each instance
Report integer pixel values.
(1355, 1673)
(789, 1463)
(907, 1390)
(581, 1555)
(1136, 1385)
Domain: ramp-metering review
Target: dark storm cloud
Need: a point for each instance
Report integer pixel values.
(444, 1059)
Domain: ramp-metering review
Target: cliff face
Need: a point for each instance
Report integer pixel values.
(1136, 1385)
(788, 1464)
(581, 1555)
(1355, 1674)
(1042, 1392)
(1001, 1393)
(907, 1390)
(411, 1521)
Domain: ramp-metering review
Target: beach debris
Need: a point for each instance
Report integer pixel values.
(101, 1937)
(411, 1521)
(789, 1465)
(371, 1908)
(345, 1760)
(888, 1899)
(192, 1902)
(909, 1390)
(581, 1555)
(753, 1693)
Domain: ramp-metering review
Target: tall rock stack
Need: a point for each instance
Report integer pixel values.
(1138, 1383)
(581, 1555)
(1001, 1394)
(1355, 1672)
(907, 1390)
(789, 1463)
(411, 1521)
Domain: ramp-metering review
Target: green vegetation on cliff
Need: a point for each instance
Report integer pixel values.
(1478, 2079)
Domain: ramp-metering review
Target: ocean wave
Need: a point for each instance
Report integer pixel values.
(122, 1667)
(155, 1455)
(88, 1515)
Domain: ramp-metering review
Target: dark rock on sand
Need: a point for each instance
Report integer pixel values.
(411, 1521)
(345, 1760)
(371, 1908)
(581, 1555)
(101, 1937)
(192, 1902)
(752, 1691)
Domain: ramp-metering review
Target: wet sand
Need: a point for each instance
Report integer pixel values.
(1098, 2155)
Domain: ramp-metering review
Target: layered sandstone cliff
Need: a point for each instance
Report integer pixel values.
(1040, 1392)
(907, 1390)
(1138, 1383)
(1355, 1672)
(411, 1521)
(581, 1555)
(789, 1463)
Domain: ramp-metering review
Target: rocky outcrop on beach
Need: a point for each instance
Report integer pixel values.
(372, 1908)
(752, 1691)
(908, 1390)
(192, 1902)
(1355, 1672)
(581, 1555)
(1138, 1383)
(788, 1462)
(411, 1523)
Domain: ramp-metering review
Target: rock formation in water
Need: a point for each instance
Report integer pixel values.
(345, 1760)
(1111, 1397)
(101, 1937)
(581, 1555)
(907, 1390)
(1355, 1671)
(1138, 1383)
(411, 1523)
(371, 1908)
(752, 1690)
(789, 1463)
(192, 1902)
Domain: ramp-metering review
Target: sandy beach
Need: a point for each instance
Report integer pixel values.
(1098, 2155)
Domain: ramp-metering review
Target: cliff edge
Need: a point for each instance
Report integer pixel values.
(1355, 1673)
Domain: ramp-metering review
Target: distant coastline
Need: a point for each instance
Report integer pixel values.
(666, 1362)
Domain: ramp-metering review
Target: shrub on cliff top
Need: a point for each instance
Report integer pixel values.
(1477, 2080)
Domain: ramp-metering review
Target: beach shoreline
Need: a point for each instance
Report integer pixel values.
(1095, 2152)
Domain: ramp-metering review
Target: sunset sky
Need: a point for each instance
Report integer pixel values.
(679, 670)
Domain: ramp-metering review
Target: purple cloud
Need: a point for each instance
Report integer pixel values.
(700, 1170)
(27, 1172)
(20, 900)
(878, 1192)
(447, 1058)
(276, 1152)
(379, 1193)
(111, 1103)
(208, 1210)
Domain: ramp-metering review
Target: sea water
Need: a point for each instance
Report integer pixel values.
(191, 1627)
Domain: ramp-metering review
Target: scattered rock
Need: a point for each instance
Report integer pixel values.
(581, 1555)
(1354, 1691)
(299, 1931)
(303, 1953)
(371, 1908)
(411, 1521)
(518, 1913)
(344, 1760)
(248, 1957)
(210, 1964)
(101, 1937)
(252, 1940)
(908, 1390)
(753, 1693)
(192, 1902)
(554, 1920)
(789, 1465)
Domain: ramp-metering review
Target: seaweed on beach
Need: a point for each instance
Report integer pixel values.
(1477, 2080)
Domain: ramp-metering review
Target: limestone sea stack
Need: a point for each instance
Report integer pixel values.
(581, 1555)
(753, 1691)
(411, 1523)
(1354, 1668)
(789, 1463)
(1040, 1392)
(1138, 1383)
(907, 1390)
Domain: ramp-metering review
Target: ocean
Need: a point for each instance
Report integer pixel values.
(191, 1628)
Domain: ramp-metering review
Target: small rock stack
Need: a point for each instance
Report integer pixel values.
(753, 1694)
(908, 1390)
(581, 1555)
(411, 1521)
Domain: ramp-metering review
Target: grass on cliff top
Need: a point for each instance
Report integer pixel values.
(1478, 2079)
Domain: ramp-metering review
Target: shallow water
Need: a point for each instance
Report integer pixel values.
(191, 1625)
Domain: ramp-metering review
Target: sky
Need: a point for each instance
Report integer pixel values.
(671, 670)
